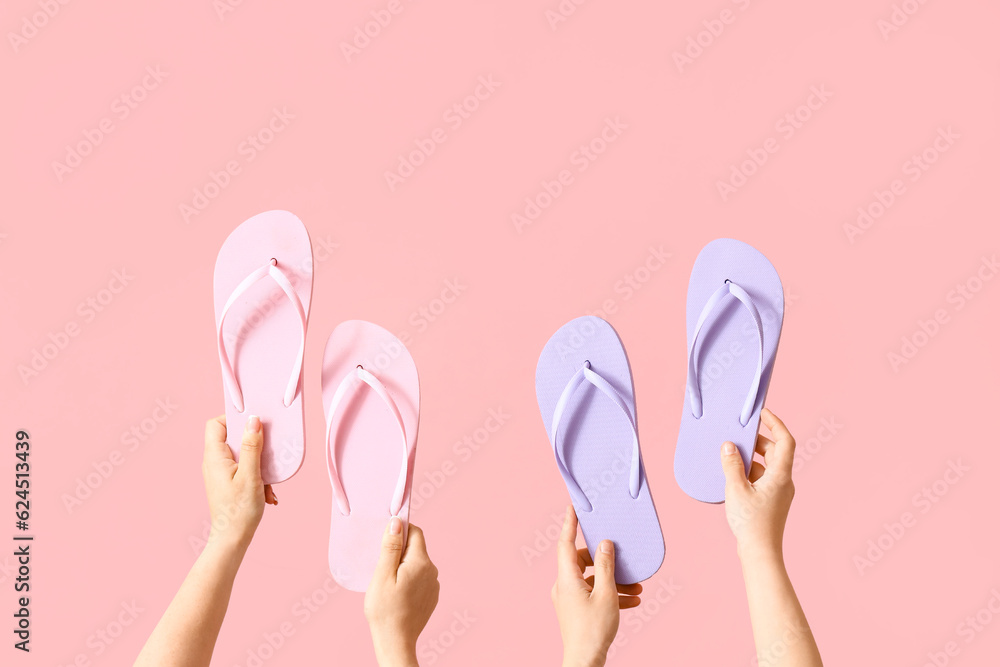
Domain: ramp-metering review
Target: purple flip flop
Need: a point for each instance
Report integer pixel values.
(585, 393)
(735, 307)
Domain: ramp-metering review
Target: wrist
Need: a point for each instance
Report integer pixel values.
(570, 660)
(228, 546)
(760, 554)
(394, 653)
(397, 658)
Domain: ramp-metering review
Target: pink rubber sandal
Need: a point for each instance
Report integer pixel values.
(371, 398)
(263, 288)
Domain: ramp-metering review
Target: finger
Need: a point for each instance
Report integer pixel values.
(604, 569)
(732, 466)
(250, 448)
(583, 559)
(784, 443)
(626, 602)
(756, 471)
(392, 550)
(567, 555)
(215, 438)
(623, 589)
(416, 546)
(764, 446)
(269, 496)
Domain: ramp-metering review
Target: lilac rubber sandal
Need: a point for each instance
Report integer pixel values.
(585, 393)
(735, 307)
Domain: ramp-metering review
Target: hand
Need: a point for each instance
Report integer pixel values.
(757, 508)
(588, 609)
(236, 493)
(401, 596)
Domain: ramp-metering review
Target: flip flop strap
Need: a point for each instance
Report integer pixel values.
(352, 380)
(585, 374)
(228, 375)
(694, 386)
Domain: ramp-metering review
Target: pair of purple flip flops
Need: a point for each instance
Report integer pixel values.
(735, 307)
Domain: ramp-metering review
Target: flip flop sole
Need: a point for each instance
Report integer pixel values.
(367, 444)
(598, 444)
(727, 363)
(262, 335)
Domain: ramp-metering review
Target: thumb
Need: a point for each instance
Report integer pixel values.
(392, 550)
(604, 570)
(732, 466)
(250, 448)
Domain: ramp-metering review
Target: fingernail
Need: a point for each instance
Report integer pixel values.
(253, 424)
(395, 526)
(275, 496)
(728, 449)
(607, 547)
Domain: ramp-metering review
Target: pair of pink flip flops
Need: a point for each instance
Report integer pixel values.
(371, 393)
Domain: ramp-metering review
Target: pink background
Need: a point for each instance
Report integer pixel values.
(849, 304)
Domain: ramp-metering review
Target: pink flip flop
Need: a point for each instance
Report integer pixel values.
(371, 398)
(263, 287)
